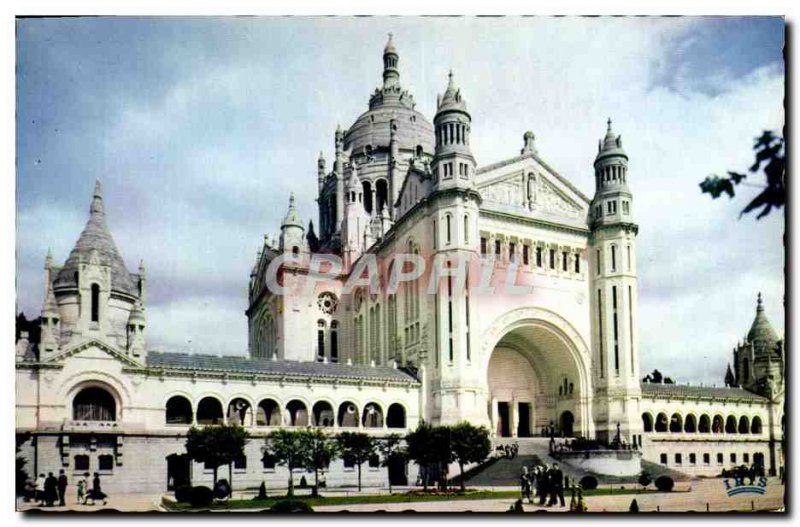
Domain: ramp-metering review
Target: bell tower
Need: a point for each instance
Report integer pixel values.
(612, 256)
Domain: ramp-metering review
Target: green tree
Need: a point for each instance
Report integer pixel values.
(357, 447)
(469, 444)
(288, 448)
(216, 445)
(321, 450)
(391, 449)
(770, 158)
(421, 448)
(442, 452)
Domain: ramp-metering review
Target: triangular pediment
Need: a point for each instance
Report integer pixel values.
(527, 185)
(94, 347)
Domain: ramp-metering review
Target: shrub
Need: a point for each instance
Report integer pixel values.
(201, 497)
(183, 493)
(634, 506)
(588, 482)
(664, 483)
(291, 506)
(222, 489)
(644, 479)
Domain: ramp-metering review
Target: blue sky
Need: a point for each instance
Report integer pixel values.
(200, 127)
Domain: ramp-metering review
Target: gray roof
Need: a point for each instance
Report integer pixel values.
(96, 237)
(683, 390)
(240, 364)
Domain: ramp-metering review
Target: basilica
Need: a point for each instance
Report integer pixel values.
(562, 355)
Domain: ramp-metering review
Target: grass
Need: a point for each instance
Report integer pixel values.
(416, 496)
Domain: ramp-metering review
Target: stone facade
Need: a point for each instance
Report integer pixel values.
(563, 353)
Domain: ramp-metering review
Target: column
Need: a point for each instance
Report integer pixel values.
(494, 416)
(513, 417)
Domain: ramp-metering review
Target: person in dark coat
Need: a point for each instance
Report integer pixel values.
(543, 484)
(96, 493)
(556, 485)
(62, 487)
(50, 492)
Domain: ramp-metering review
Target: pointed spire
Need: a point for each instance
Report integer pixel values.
(97, 200)
(759, 303)
(292, 217)
(451, 99)
(391, 75)
(48, 260)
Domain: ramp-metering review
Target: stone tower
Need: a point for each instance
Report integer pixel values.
(612, 256)
(454, 218)
(758, 361)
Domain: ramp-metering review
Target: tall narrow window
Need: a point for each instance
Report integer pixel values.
(435, 236)
(95, 302)
(320, 340)
(466, 228)
(450, 315)
(577, 263)
(630, 323)
(613, 257)
(538, 257)
(616, 332)
(497, 247)
(600, 329)
(630, 267)
(512, 251)
(599, 262)
(525, 255)
(334, 341)
(436, 325)
(484, 245)
(564, 257)
(552, 258)
(448, 221)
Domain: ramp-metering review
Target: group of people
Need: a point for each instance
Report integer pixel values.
(51, 490)
(547, 484)
(508, 451)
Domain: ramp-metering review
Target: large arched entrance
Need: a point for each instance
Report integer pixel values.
(537, 381)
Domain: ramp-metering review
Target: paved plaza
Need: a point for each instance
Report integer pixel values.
(693, 496)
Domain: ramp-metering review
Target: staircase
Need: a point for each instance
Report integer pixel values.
(536, 451)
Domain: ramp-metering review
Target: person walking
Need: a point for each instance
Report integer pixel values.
(62, 487)
(50, 489)
(525, 484)
(556, 485)
(544, 484)
(97, 492)
(39, 486)
(82, 489)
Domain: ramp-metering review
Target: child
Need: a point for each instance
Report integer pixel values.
(82, 491)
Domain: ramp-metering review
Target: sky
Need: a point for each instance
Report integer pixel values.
(200, 127)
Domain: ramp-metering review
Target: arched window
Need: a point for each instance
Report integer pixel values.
(240, 412)
(381, 194)
(334, 341)
(647, 422)
(320, 340)
(690, 426)
(418, 151)
(661, 422)
(755, 426)
(209, 411)
(730, 425)
(705, 424)
(396, 416)
(94, 404)
(322, 414)
(373, 416)
(298, 413)
(466, 228)
(179, 411)
(367, 189)
(718, 424)
(744, 425)
(95, 303)
(268, 414)
(675, 423)
(348, 415)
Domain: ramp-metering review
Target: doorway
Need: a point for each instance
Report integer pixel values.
(503, 415)
(178, 471)
(524, 427)
(566, 424)
(398, 471)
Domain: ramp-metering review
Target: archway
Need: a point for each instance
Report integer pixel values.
(209, 411)
(298, 413)
(94, 404)
(690, 425)
(396, 416)
(240, 412)
(322, 414)
(268, 414)
(373, 416)
(179, 471)
(179, 411)
(705, 424)
(647, 422)
(536, 378)
(348, 415)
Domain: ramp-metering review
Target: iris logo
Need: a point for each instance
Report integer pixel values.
(737, 486)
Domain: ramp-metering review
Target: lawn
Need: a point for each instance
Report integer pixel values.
(410, 497)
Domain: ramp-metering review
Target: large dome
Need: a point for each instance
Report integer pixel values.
(390, 101)
(761, 333)
(371, 129)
